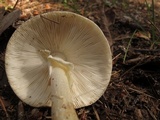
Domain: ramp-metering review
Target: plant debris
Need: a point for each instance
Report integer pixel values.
(134, 90)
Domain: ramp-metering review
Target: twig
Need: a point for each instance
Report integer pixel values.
(151, 85)
(3, 107)
(96, 113)
(137, 59)
(147, 50)
(48, 19)
(130, 69)
(122, 37)
(105, 22)
(48, 117)
(15, 4)
(138, 91)
(116, 58)
(106, 29)
(151, 114)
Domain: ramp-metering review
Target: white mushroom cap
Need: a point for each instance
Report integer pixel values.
(70, 37)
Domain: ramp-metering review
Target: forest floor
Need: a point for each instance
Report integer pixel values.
(133, 31)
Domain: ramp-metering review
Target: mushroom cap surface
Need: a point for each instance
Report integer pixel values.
(66, 35)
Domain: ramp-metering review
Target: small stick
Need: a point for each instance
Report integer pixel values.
(15, 4)
(116, 58)
(96, 113)
(151, 114)
(3, 107)
(48, 19)
(130, 69)
(138, 91)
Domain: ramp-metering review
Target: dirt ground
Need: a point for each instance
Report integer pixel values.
(133, 31)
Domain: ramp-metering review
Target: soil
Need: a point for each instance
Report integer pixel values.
(133, 33)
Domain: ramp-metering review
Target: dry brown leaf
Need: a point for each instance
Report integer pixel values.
(144, 35)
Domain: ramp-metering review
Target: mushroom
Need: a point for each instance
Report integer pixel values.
(61, 60)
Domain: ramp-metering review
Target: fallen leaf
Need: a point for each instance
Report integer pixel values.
(144, 35)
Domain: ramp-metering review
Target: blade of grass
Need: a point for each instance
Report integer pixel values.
(129, 43)
(152, 20)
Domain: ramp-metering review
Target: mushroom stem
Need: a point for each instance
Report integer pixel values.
(62, 106)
